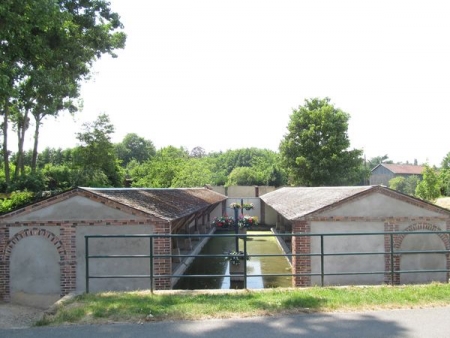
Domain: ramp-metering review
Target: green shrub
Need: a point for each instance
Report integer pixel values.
(16, 200)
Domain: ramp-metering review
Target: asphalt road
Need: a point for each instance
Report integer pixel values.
(413, 323)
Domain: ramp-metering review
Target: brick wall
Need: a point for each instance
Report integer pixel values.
(162, 266)
(301, 245)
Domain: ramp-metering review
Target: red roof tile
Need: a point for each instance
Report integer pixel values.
(404, 168)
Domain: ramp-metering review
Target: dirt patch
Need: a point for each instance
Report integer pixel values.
(25, 309)
(443, 202)
(13, 316)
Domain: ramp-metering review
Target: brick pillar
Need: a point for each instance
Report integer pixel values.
(448, 255)
(162, 266)
(301, 245)
(391, 227)
(68, 259)
(4, 265)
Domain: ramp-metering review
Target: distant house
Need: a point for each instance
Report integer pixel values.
(383, 173)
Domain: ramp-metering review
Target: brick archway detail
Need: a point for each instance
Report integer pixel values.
(398, 239)
(55, 240)
(421, 227)
(34, 232)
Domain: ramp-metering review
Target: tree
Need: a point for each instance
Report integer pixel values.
(244, 176)
(47, 48)
(194, 172)
(265, 163)
(398, 183)
(411, 184)
(134, 147)
(429, 188)
(161, 170)
(405, 185)
(444, 178)
(197, 152)
(315, 149)
(445, 164)
(96, 155)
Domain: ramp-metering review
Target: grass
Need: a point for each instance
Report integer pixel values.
(144, 306)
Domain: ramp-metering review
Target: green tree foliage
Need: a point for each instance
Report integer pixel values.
(398, 183)
(54, 156)
(194, 172)
(197, 152)
(134, 147)
(429, 188)
(445, 164)
(47, 48)
(411, 184)
(58, 177)
(16, 200)
(405, 185)
(244, 176)
(315, 149)
(444, 178)
(161, 170)
(30, 181)
(96, 157)
(265, 164)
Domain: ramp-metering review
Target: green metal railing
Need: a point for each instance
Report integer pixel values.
(151, 256)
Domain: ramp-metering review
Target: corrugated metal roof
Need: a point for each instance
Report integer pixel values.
(169, 204)
(404, 168)
(296, 202)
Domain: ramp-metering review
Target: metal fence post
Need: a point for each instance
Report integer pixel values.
(322, 261)
(86, 246)
(392, 257)
(245, 261)
(151, 264)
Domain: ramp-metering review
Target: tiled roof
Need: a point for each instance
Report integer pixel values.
(293, 203)
(169, 204)
(404, 168)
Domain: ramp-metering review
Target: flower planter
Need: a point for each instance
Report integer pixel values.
(237, 269)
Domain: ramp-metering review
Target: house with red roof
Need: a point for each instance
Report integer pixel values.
(383, 173)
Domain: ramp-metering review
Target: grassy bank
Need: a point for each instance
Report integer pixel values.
(144, 306)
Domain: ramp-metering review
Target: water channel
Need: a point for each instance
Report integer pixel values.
(255, 265)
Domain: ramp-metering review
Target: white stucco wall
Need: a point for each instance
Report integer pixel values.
(270, 216)
(34, 270)
(379, 205)
(113, 266)
(373, 207)
(242, 191)
(347, 244)
(74, 208)
(217, 212)
(256, 211)
(422, 262)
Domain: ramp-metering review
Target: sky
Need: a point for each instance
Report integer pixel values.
(227, 74)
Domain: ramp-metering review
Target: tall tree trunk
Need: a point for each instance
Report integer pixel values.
(22, 126)
(5, 142)
(36, 142)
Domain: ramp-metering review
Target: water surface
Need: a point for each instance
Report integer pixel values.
(255, 266)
